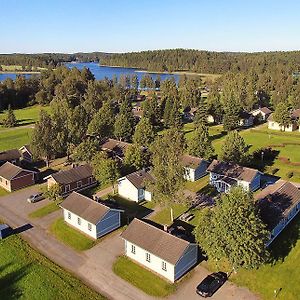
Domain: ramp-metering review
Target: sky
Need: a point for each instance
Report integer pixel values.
(69, 26)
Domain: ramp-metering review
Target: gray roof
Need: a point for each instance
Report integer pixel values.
(139, 178)
(192, 161)
(276, 201)
(157, 241)
(116, 146)
(73, 175)
(232, 170)
(10, 155)
(9, 170)
(85, 207)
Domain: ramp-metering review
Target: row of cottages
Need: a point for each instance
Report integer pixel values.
(194, 167)
(115, 148)
(159, 250)
(134, 186)
(90, 217)
(13, 177)
(224, 175)
(261, 113)
(294, 125)
(77, 178)
(278, 204)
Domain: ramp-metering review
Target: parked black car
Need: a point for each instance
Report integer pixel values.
(211, 284)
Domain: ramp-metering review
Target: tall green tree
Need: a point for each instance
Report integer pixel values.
(144, 133)
(105, 170)
(43, 138)
(167, 168)
(232, 230)
(234, 148)
(102, 124)
(86, 150)
(136, 157)
(200, 145)
(10, 120)
(123, 127)
(282, 115)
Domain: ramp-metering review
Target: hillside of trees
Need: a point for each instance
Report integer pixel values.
(205, 61)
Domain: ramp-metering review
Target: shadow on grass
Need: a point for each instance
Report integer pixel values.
(218, 135)
(9, 283)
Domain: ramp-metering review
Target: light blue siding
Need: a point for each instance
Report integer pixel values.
(111, 221)
(201, 170)
(187, 261)
(255, 184)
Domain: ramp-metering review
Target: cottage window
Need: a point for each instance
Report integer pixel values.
(90, 180)
(67, 188)
(148, 258)
(90, 227)
(0, 179)
(133, 249)
(164, 265)
(79, 184)
(6, 182)
(79, 221)
(69, 215)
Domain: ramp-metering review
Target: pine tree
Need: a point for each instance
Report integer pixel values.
(144, 133)
(233, 231)
(124, 127)
(136, 157)
(234, 148)
(200, 145)
(10, 120)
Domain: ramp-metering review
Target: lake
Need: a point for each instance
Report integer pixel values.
(100, 72)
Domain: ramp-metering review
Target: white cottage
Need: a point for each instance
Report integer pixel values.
(261, 113)
(224, 175)
(89, 216)
(165, 254)
(133, 186)
(295, 116)
(194, 167)
(278, 204)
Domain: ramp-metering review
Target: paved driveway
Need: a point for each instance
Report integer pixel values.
(228, 291)
(94, 267)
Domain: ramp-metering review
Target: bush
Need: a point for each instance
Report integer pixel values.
(290, 174)
(274, 171)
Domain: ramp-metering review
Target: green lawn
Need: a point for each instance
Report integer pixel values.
(26, 274)
(45, 210)
(198, 184)
(3, 192)
(143, 279)
(28, 115)
(164, 216)
(14, 138)
(71, 236)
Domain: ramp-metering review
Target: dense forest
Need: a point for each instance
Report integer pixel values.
(47, 60)
(205, 61)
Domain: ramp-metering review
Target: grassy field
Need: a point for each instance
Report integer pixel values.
(14, 138)
(143, 279)
(26, 274)
(71, 236)
(28, 115)
(44, 211)
(260, 137)
(3, 192)
(164, 216)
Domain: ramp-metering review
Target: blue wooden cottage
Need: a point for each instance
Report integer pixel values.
(5, 231)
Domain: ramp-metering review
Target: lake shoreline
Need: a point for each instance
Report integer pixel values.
(138, 70)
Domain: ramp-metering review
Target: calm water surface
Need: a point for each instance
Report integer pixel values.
(100, 72)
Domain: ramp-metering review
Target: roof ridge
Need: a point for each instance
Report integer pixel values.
(165, 232)
(86, 197)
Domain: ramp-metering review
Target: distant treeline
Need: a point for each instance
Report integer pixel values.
(205, 61)
(47, 60)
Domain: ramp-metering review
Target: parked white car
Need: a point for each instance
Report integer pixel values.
(35, 197)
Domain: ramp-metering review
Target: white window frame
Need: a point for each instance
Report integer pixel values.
(133, 249)
(79, 184)
(89, 226)
(69, 215)
(67, 188)
(164, 266)
(79, 221)
(148, 257)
